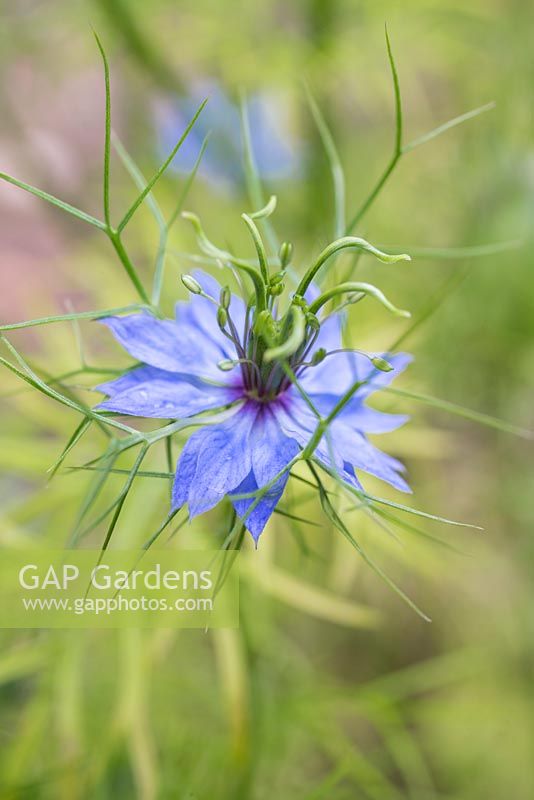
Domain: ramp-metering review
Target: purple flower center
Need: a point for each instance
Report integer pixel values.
(261, 381)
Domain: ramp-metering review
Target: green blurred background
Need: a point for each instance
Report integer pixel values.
(313, 697)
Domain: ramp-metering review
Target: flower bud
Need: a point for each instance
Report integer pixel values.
(318, 356)
(285, 254)
(222, 317)
(191, 284)
(225, 297)
(265, 326)
(278, 277)
(277, 289)
(381, 364)
(298, 300)
(226, 364)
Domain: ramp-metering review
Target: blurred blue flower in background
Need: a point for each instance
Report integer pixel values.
(276, 151)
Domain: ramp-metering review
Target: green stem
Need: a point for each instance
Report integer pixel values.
(30, 323)
(159, 172)
(374, 194)
(107, 138)
(397, 147)
(258, 244)
(342, 402)
(213, 251)
(342, 244)
(115, 239)
(365, 288)
(338, 177)
(136, 35)
(252, 178)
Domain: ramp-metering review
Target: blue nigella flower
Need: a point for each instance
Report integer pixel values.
(212, 356)
(274, 148)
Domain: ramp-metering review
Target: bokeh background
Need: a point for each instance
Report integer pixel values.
(314, 697)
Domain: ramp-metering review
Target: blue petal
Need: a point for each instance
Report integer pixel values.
(370, 420)
(214, 461)
(361, 454)
(312, 293)
(349, 476)
(128, 380)
(340, 445)
(377, 379)
(329, 336)
(341, 370)
(358, 416)
(271, 452)
(298, 422)
(166, 345)
(270, 136)
(201, 314)
(260, 515)
(150, 392)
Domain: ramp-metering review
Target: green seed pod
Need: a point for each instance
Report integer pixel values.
(222, 317)
(297, 332)
(225, 297)
(285, 254)
(381, 364)
(191, 284)
(277, 289)
(318, 356)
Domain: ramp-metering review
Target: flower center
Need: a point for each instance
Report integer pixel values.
(265, 373)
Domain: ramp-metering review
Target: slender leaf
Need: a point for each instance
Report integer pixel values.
(97, 484)
(107, 137)
(397, 147)
(76, 212)
(33, 380)
(314, 601)
(338, 523)
(454, 253)
(159, 172)
(252, 176)
(461, 411)
(108, 312)
(452, 123)
(338, 177)
(73, 441)
(188, 183)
